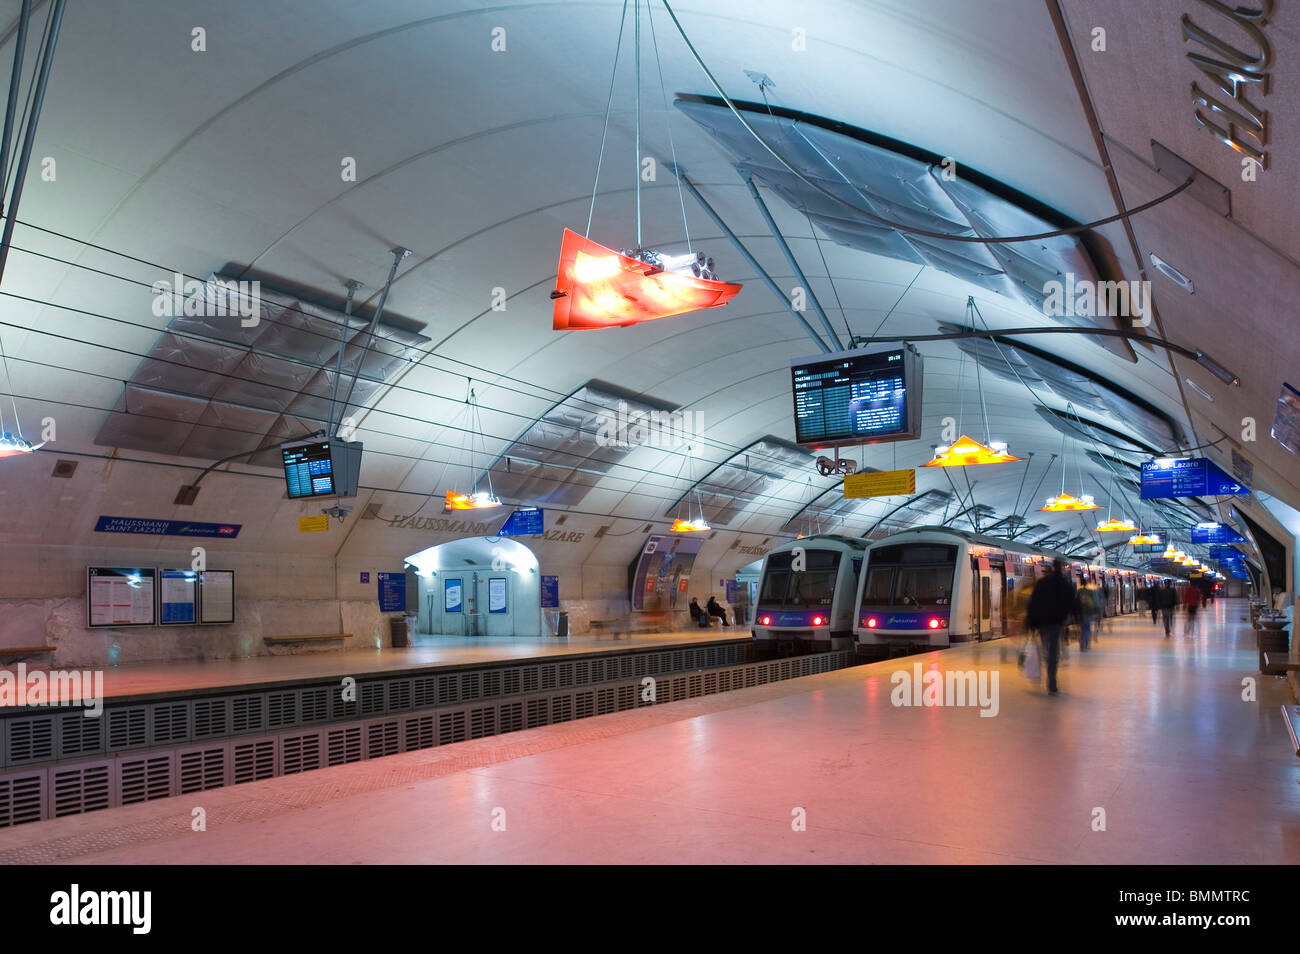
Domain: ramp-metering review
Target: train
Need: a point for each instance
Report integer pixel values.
(806, 593)
(924, 588)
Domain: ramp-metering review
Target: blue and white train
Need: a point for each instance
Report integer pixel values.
(925, 588)
(806, 593)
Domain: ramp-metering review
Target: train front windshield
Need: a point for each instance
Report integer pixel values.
(910, 574)
(787, 588)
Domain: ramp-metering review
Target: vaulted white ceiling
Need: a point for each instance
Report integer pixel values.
(475, 159)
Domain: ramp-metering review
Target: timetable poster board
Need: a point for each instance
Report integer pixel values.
(497, 595)
(217, 596)
(453, 592)
(178, 597)
(121, 596)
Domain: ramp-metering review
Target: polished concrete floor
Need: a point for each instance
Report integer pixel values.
(1150, 740)
(171, 678)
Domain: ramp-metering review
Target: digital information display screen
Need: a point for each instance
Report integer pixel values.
(857, 397)
(308, 471)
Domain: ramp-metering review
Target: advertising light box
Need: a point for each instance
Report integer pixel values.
(857, 397)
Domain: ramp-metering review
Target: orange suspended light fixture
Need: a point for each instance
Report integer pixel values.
(968, 453)
(596, 287)
(1063, 501)
(1117, 525)
(11, 445)
(1143, 539)
(476, 499)
(690, 523)
(690, 526)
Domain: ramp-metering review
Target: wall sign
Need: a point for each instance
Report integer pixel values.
(886, 483)
(550, 591)
(1186, 477)
(1226, 111)
(497, 594)
(217, 596)
(166, 528)
(178, 597)
(452, 595)
(319, 524)
(120, 596)
(524, 522)
(392, 592)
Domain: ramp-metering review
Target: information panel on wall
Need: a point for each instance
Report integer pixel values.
(863, 396)
(178, 597)
(217, 596)
(120, 596)
(496, 595)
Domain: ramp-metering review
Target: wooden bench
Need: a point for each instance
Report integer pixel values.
(20, 651)
(619, 628)
(305, 639)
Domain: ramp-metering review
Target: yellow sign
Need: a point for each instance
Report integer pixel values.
(887, 483)
(313, 524)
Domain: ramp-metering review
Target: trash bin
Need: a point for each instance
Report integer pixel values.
(397, 627)
(562, 625)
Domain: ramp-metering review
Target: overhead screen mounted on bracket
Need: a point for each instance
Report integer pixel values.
(867, 396)
(322, 468)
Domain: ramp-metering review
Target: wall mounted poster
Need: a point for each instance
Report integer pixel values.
(217, 596)
(497, 595)
(120, 596)
(452, 595)
(178, 597)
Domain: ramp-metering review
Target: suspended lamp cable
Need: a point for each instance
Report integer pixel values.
(604, 132)
(672, 146)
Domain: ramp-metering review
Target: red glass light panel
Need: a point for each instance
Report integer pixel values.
(596, 287)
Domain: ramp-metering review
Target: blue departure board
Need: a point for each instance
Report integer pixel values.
(308, 471)
(857, 397)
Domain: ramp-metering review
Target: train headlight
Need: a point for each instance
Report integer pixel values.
(818, 621)
(766, 621)
(935, 622)
(872, 622)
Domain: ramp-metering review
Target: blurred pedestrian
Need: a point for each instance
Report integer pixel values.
(1051, 605)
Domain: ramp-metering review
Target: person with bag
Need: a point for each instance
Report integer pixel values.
(1051, 605)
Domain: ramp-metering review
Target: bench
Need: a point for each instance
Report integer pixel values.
(1275, 661)
(21, 651)
(305, 639)
(621, 627)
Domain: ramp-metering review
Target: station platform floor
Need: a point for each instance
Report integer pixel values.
(165, 679)
(1152, 735)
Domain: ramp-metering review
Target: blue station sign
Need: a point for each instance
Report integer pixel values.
(166, 528)
(524, 522)
(1187, 477)
(1215, 533)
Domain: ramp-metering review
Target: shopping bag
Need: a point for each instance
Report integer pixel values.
(1032, 664)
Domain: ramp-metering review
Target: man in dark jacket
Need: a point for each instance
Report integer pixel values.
(1166, 600)
(1051, 605)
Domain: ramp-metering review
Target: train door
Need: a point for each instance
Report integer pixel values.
(988, 589)
(997, 588)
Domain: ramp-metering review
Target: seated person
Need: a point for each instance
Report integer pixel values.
(698, 616)
(715, 609)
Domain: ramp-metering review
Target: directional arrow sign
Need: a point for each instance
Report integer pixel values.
(1188, 477)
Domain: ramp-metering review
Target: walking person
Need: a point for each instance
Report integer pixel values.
(1167, 599)
(1191, 603)
(1050, 607)
(1152, 595)
(1087, 611)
